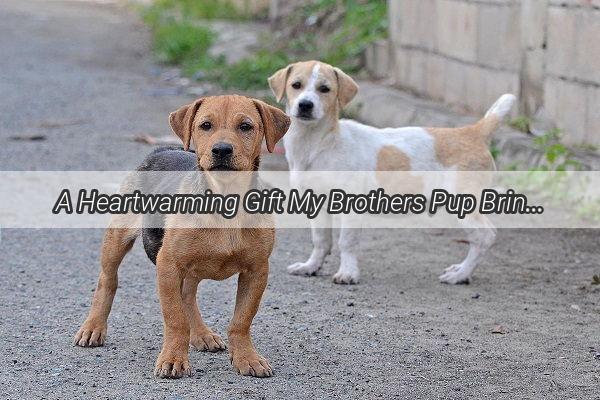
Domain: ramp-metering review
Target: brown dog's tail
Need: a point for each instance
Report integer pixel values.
(490, 122)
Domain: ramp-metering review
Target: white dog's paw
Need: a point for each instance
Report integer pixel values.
(455, 274)
(303, 268)
(345, 278)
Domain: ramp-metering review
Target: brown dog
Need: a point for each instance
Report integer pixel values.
(227, 132)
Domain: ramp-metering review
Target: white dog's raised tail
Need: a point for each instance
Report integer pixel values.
(502, 106)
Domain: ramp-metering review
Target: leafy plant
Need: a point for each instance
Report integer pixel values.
(340, 31)
(556, 156)
(495, 151)
(521, 123)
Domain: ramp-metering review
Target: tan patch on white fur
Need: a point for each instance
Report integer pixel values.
(465, 148)
(390, 158)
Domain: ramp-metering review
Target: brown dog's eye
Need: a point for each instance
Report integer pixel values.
(206, 126)
(324, 89)
(296, 85)
(245, 127)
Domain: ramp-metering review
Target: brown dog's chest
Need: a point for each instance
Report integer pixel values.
(218, 253)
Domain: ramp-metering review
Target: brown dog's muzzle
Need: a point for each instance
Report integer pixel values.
(222, 157)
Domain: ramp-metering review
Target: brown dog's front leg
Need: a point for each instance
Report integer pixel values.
(117, 242)
(201, 336)
(173, 361)
(243, 355)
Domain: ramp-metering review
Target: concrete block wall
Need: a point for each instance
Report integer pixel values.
(572, 84)
(464, 53)
(468, 52)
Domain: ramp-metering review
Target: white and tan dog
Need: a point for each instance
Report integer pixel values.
(318, 140)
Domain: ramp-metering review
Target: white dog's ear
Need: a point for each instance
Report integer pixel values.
(278, 80)
(274, 121)
(347, 88)
(182, 121)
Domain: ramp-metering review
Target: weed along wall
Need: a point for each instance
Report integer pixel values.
(466, 53)
(185, 32)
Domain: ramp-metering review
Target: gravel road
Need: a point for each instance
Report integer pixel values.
(80, 75)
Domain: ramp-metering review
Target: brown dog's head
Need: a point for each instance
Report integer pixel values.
(313, 89)
(228, 130)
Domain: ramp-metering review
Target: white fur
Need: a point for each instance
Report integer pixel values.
(314, 146)
(502, 106)
(310, 93)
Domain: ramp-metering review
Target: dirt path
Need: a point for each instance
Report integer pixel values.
(80, 75)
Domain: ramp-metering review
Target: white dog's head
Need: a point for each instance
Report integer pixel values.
(314, 90)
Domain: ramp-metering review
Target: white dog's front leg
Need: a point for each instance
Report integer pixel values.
(350, 249)
(322, 241)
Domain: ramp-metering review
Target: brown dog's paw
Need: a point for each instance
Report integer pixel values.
(251, 364)
(91, 334)
(172, 366)
(207, 341)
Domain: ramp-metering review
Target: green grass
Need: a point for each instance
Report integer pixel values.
(176, 40)
(362, 23)
(180, 39)
(198, 9)
(246, 74)
(251, 72)
(339, 30)
(181, 42)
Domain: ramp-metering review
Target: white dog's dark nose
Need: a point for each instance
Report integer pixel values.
(306, 106)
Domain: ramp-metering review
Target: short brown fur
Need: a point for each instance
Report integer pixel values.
(188, 256)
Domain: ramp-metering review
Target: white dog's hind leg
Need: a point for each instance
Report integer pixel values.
(481, 235)
(350, 249)
(322, 242)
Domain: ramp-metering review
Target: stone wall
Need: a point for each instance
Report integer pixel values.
(468, 52)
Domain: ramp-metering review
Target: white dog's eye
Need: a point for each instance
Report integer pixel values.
(324, 89)
(296, 85)
(206, 126)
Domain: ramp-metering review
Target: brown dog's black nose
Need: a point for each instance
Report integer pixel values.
(222, 150)
(306, 105)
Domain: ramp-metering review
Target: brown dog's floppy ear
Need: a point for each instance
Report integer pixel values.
(347, 88)
(182, 121)
(278, 80)
(275, 123)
